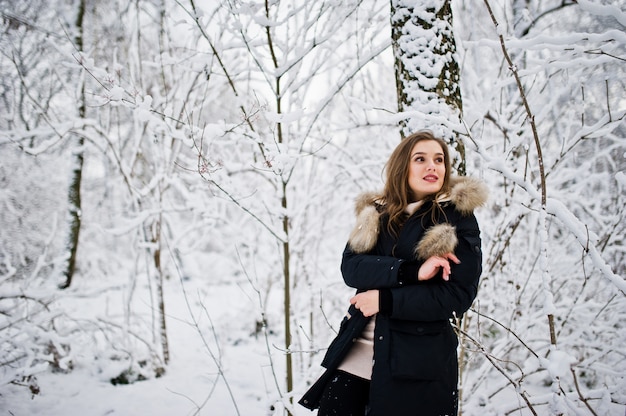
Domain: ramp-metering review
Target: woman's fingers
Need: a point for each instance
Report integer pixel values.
(431, 266)
(366, 302)
(453, 257)
(445, 266)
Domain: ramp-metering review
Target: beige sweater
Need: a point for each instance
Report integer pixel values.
(360, 358)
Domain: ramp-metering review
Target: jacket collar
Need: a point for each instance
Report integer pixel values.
(466, 193)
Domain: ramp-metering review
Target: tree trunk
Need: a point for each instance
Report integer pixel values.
(287, 293)
(427, 73)
(157, 240)
(284, 181)
(76, 169)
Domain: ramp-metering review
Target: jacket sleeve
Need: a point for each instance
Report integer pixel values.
(437, 299)
(364, 271)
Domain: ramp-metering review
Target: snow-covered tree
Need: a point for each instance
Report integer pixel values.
(77, 160)
(427, 70)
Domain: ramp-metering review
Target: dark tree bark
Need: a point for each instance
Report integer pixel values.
(427, 72)
(74, 197)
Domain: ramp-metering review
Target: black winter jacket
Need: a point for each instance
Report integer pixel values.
(415, 363)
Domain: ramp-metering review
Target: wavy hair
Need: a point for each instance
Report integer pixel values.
(397, 193)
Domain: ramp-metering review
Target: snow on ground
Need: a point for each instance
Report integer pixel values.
(191, 385)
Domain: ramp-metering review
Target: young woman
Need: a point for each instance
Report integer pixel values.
(414, 257)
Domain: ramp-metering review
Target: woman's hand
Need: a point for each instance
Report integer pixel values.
(431, 267)
(367, 302)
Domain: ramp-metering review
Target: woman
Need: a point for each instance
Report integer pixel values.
(414, 257)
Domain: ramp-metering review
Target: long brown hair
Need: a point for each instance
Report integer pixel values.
(397, 193)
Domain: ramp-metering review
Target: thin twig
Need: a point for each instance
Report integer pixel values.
(264, 323)
(494, 361)
(196, 325)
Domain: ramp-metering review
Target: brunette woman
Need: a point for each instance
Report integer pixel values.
(414, 257)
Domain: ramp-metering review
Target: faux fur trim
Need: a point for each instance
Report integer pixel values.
(466, 194)
(437, 241)
(365, 233)
(364, 200)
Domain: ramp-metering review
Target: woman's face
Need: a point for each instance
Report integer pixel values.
(427, 169)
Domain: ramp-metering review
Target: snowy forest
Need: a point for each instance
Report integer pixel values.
(177, 185)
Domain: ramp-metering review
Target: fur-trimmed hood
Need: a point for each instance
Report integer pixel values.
(466, 194)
